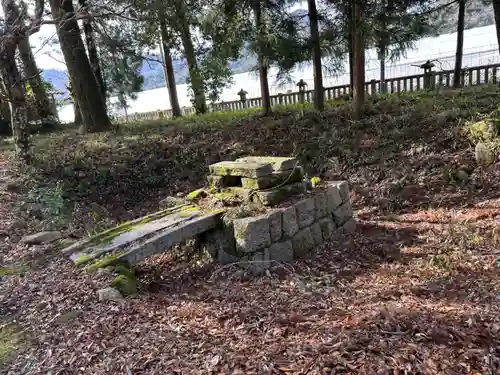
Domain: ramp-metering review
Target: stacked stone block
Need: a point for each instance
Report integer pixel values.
(265, 179)
(284, 234)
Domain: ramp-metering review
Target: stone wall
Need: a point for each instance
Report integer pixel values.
(284, 234)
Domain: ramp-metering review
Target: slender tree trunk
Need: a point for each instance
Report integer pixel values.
(4, 103)
(86, 90)
(17, 97)
(319, 90)
(169, 70)
(95, 64)
(197, 84)
(350, 49)
(359, 60)
(14, 85)
(496, 10)
(42, 103)
(383, 87)
(264, 83)
(457, 74)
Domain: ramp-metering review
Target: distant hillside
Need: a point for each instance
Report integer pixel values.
(477, 15)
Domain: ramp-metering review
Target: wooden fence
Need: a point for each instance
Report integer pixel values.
(478, 75)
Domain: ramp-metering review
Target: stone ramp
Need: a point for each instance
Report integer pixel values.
(140, 238)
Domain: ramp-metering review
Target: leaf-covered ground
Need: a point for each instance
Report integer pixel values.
(416, 288)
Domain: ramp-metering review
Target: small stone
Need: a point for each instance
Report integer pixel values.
(252, 233)
(281, 251)
(302, 242)
(305, 212)
(342, 214)
(231, 168)
(327, 228)
(317, 234)
(275, 225)
(349, 226)
(321, 205)
(41, 238)
(289, 221)
(333, 198)
(109, 294)
(277, 163)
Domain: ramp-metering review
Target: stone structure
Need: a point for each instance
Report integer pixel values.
(286, 217)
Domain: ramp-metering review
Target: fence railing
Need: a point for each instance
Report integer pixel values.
(478, 75)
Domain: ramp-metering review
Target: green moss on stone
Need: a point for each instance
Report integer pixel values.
(106, 261)
(126, 285)
(122, 269)
(197, 194)
(12, 339)
(108, 235)
(82, 259)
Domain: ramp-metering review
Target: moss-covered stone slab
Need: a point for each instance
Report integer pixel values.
(275, 225)
(172, 235)
(108, 236)
(274, 179)
(278, 163)
(280, 251)
(303, 242)
(275, 196)
(232, 168)
(252, 233)
(327, 227)
(317, 234)
(306, 212)
(333, 198)
(289, 221)
(342, 214)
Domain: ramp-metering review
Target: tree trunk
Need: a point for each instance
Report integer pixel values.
(350, 37)
(92, 51)
(4, 102)
(86, 90)
(383, 88)
(78, 114)
(457, 73)
(42, 103)
(197, 84)
(264, 83)
(169, 70)
(319, 90)
(496, 10)
(14, 85)
(17, 97)
(359, 60)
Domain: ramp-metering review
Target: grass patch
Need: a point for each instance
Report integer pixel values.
(12, 340)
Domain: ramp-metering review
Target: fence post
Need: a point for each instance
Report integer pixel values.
(302, 88)
(373, 86)
(280, 98)
(243, 97)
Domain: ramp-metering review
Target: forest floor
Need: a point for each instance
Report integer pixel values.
(415, 289)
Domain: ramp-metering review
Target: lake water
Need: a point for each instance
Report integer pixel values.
(480, 48)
